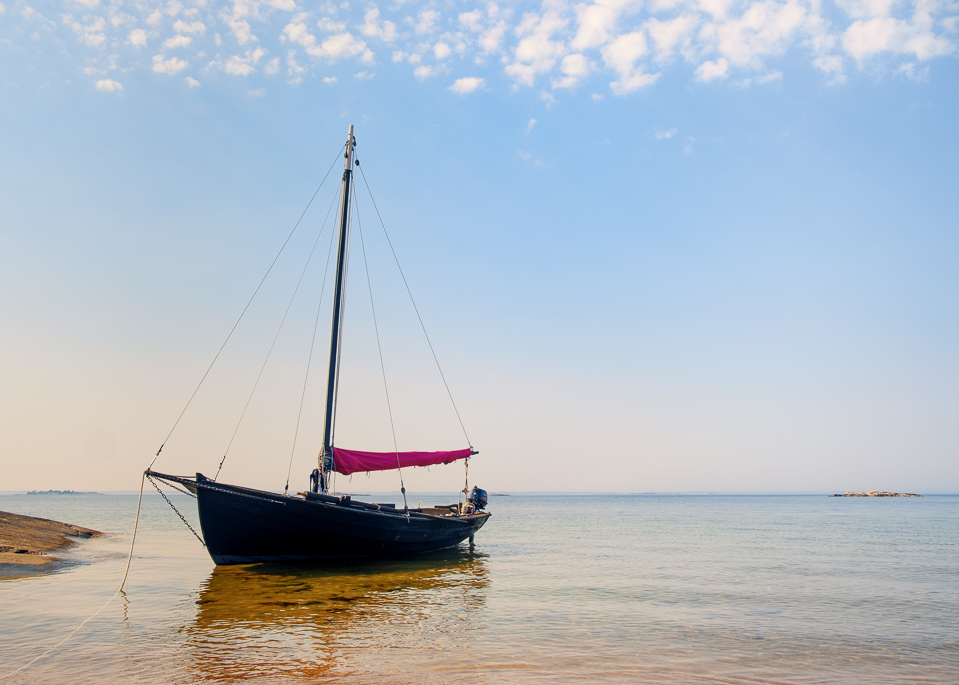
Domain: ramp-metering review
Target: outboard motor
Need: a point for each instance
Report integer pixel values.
(478, 498)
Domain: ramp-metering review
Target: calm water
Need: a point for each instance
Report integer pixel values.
(657, 589)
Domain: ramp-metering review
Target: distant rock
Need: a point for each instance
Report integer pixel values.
(60, 492)
(877, 493)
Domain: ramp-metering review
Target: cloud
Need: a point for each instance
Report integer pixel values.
(537, 50)
(340, 46)
(109, 86)
(427, 21)
(574, 69)
(245, 65)
(329, 80)
(596, 21)
(137, 38)
(665, 134)
(467, 85)
(256, 93)
(191, 82)
(91, 34)
(530, 125)
(385, 30)
(426, 71)
(272, 67)
(885, 34)
(709, 71)
(441, 50)
(196, 27)
(155, 18)
(177, 42)
(171, 66)
(621, 55)
(364, 75)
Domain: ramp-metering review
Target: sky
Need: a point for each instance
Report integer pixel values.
(670, 246)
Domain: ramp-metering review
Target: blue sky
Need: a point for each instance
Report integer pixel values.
(659, 246)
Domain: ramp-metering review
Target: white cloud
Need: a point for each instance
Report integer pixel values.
(285, 5)
(3, 10)
(596, 22)
(137, 38)
(910, 71)
(329, 80)
(472, 20)
(91, 34)
(89, 4)
(169, 66)
(385, 31)
(272, 67)
(196, 27)
(296, 32)
(245, 65)
(293, 69)
(765, 28)
(672, 35)
(427, 21)
(621, 55)
(492, 38)
(885, 34)
(530, 125)
(364, 75)
(575, 68)
(155, 18)
(109, 86)
(665, 134)
(340, 46)
(441, 50)
(425, 71)
(467, 85)
(328, 25)
(709, 71)
(191, 82)
(256, 93)
(177, 42)
(537, 50)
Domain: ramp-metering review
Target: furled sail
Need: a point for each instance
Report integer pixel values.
(352, 461)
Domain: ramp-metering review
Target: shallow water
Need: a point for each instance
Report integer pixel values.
(657, 589)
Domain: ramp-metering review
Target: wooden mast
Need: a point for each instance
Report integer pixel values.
(326, 458)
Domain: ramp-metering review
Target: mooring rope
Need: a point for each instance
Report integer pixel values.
(126, 572)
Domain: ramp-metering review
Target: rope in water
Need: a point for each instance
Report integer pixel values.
(89, 618)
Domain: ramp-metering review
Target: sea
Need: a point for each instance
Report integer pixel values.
(556, 589)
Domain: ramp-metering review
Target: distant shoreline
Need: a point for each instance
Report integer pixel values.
(876, 493)
(60, 492)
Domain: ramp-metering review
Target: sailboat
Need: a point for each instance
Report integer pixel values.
(243, 525)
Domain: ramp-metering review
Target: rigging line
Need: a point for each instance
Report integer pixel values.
(309, 361)
(275, 338)
(416, 309)
(73, 632)
(379, 349)
(230, 334)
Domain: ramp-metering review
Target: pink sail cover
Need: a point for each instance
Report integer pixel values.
(351, 461)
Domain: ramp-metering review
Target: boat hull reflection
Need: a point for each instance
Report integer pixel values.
(298, 621)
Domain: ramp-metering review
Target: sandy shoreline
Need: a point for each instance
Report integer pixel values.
(26, 543)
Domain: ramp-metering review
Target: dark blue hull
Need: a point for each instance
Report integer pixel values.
(243, 526)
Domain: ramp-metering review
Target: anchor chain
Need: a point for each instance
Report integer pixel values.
(182, 518)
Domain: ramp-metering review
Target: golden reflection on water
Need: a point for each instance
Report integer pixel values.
(318, 623)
